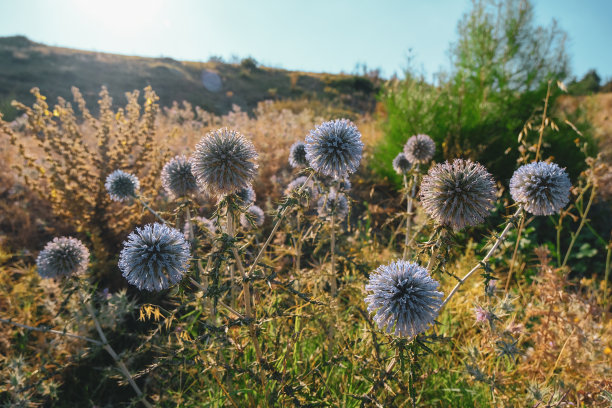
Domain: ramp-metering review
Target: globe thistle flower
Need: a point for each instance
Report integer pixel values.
(333, 203)
(311, 191)
(121, 186)
(419, 149)
(224, 162)
(297, 155)
(201, 227)
(542, 188)
(255, 214)
(63, 256)
(403, 298)
(334, 148)
(246, 196)
(401, 165)
(177, 178)
(458, 194)
(154, 257)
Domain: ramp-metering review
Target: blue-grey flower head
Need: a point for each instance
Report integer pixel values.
(63, 256)
(403, 298)
(297, 155)
(255, 214)
(458, 194)
(154, 257)
(542, 188)
(419, 149)
(224, 162)
(333, 203)
(177, 178)
(201, 226)
(121, 186)
(401, 164)
(334, 148)
(246, 196)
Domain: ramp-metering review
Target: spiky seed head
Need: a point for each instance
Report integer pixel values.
(310, 191)
(542, 188)
(177, 178)
(403, 298)
(256, 214)
(401, 165)
(333, 203)
(121, 186)
(63, 256)
(297, 155)
(201, 226)
(224, 162)
(419, 149)
(246, 196)
(458, 194)
(334, 148)
(154, 257)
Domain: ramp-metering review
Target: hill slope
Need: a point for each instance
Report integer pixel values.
(25, 64)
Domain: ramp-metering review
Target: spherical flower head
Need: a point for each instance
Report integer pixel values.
(542, 188)
(403, 298)
(458, 194)
(419, 149)
(333, 203)
(224, 162)
(401, 165)
(121, 186)
(63, 256)
(201, 226)
(334, 148)
(297, 155)
(177, 178)
(310, 190)
(154, 257)
(253, 214)
(246, 196)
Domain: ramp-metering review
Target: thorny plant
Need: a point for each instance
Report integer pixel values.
(275, 316)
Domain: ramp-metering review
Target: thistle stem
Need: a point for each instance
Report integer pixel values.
(152, 211)
(332, 281)
(410, 197)
(45, 329)
(513, 259)
(582, 222)
(275, 228)
(122, 367)
(497, 243)
(541, 130)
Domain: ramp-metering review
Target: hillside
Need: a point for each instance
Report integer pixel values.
(214, 86)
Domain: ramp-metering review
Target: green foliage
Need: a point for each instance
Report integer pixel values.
(501, 66)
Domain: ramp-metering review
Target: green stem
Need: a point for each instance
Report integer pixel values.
(582, 222)
(152, 211)
(497, 243)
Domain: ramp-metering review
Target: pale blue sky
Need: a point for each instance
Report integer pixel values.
(314, 35)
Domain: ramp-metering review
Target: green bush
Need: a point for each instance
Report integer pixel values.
(501, 66)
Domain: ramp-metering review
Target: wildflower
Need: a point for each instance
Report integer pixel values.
(201, 227)
(255, 215)
(481, 314)
(297, 155)
(309, 192)
(403, 297)
(154, 257)
(419, 149)
(246, 196)
(401, 165)
(63, 256)
(458, 194)
(334, 148)
(333, 203)
(542, 188)
(224, 162)
(121, 186)
(177, 178)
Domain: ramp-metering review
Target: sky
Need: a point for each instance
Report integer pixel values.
(311, 35)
